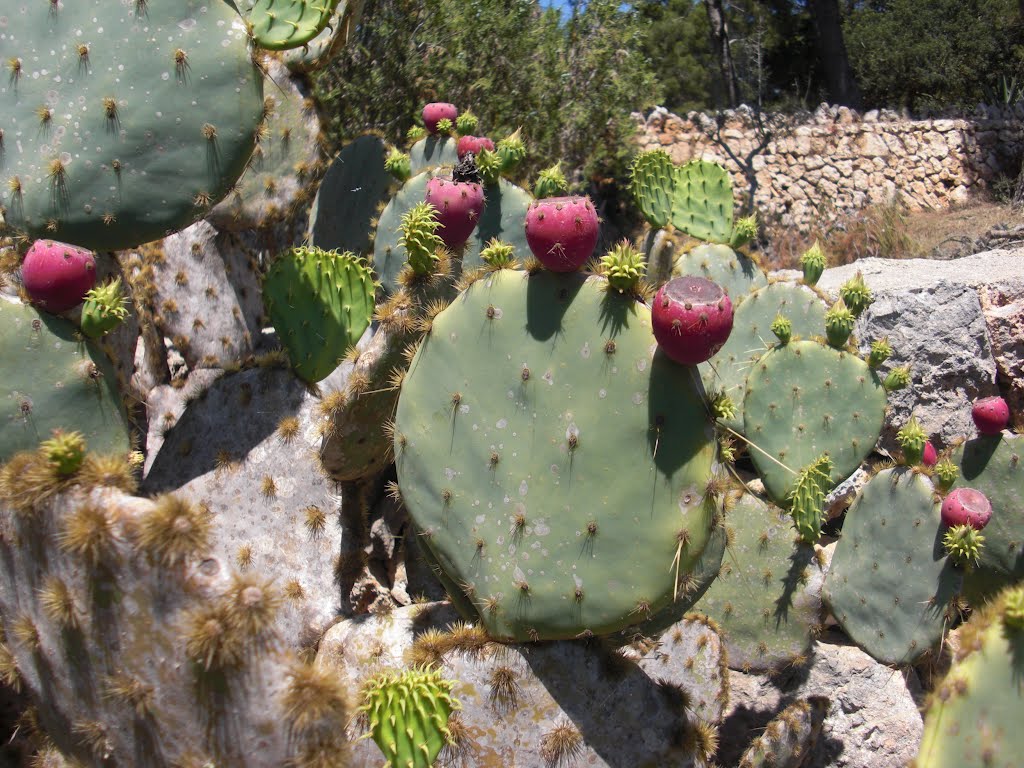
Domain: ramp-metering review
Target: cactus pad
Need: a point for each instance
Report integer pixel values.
(346, 203)
(504, 213)
(890, 582)
(767, 597)
(737, 274)
(433, 151)
(752, 336)
(518, 407)
(280, 25)
(320, 302)
(973, 716)
(652, 179)
(322, 48)
(702, 201)
(129, 129)
(992, 465)
(53, 380)
(805, 399)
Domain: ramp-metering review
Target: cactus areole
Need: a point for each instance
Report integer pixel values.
(437, 111)
(57, 276)
(991, 415)
(562, 232)
(966, 506)
(459, 200)
(691, 318)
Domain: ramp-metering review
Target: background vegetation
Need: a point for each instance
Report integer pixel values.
(570, 77)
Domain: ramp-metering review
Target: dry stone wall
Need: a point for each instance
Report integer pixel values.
(804, 169)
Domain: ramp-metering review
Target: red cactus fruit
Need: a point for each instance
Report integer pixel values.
(473, 144)
(437, 111)
(930, 458)
(966, 506)
(991, 415)
(562, 231)
(691, 318)
(459, 200)
(57, 275)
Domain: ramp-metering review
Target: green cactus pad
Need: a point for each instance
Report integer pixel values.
(890, 582)
(322, 48)
(702, 201)
(351, 191)
(652, 179)
(992, 464)
(433, 151)
(408, 715)
(516, 411)
(767, 597)
(788, 738)
(738, 275)
(53, 380)
(126, 129)
(320, 302)
(286, 164)
(752, 336)
(503, 217)
(805, 399)
(973, 716)
(280, 25)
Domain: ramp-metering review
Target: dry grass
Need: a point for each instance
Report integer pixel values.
(890, 231)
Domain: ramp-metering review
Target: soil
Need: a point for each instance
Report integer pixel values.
(971, 228)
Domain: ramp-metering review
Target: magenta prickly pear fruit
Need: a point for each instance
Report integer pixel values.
(930, 457)
(991, 415)
(473, 144)
(459, 201)
(562, 231)
(691, 318)
(966, 506)
(437, 111)
(57, 275)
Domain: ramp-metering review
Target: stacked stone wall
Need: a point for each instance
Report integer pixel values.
(815, 167)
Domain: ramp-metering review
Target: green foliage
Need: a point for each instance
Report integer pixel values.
(937, 53)
(512, 65)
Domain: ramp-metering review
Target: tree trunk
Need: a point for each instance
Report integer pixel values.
(842, 87)
(720, 45)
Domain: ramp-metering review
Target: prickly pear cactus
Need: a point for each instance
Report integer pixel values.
(321, 49)
(132, 119)
(752, 336)
(973, 715)
(433, 151)
(351, 194)
(890, 584)
(767, 597)
(738, 274)
(805, 399)
(54, 379)
(517, 409)
(408, 715)
(279, 25)
(652, 177)
(320, 302)
(286, 163)
(504, 213)
(789, 737)
(992, 465)
(702, 201)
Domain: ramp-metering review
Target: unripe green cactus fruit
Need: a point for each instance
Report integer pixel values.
(398, 164)
(807, 499)
(946, 472)
(963, 544)
(856, 294)
(839, 322)
(813, 264)
(466, 123)
(898, 378)
(782, 328)
(320, 302)
(912, 440)
(419, 238)
(104, 309)
(512, 151)
(498, 254)
(880, 352)
(408, 714)
(65, 451)
(624, 267)
(744, 231)
(551, 183)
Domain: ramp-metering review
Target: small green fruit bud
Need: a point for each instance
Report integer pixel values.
(813, 263)
(839, 324)
(65, 451)
(743, 231)
(963, 544)
(445, 127)
(512, 151)
(104, 309)
(880, 352)
(856, 294)
(551, 183)
(946, 472)
(489, 165)
(624, 267)
(466, 124)
(912, 440)
(498, 254)
(782, 328)
(898, 378)
(419, 226)
(398, 164)
(1013, 610)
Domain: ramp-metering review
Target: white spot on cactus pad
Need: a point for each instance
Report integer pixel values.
(541, 528)
(638, 398)
(481, 519)
(523, 488)
(518, 574)
(585, 352)
(501, 423)
(450, 473)
(463, 408)
(641, 365)
(549, 377)
(572, 431)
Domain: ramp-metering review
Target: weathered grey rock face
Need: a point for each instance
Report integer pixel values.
(873, 720)
(245, 448)
(935, 316)
(634, 712)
